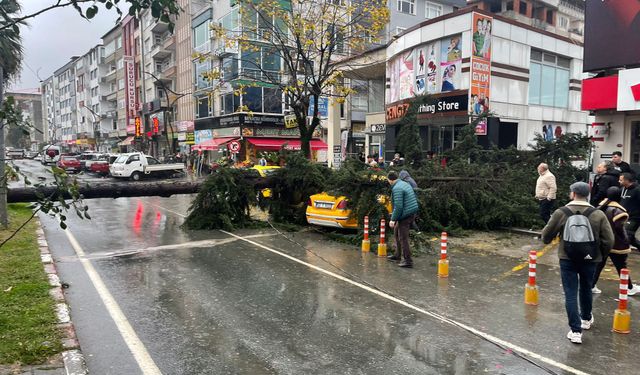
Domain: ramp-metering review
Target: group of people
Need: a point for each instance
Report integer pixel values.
(599, 223)
(397, 161)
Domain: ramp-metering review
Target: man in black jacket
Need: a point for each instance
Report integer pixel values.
(607, 176)
(631, 202)
(619, 165)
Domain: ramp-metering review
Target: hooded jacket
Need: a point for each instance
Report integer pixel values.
(406, 177)
(631, 201)
(601, 183)
(617, 216)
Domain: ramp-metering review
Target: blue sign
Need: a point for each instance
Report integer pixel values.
(323, 107)
(203, 135)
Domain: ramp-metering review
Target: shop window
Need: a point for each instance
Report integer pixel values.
(549, 80)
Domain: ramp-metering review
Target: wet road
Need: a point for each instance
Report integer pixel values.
(208, 302)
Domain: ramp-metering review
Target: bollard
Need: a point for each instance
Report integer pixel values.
(443, 263)
(366, 244)
(622, 316)
(382, 246)
(531, 289)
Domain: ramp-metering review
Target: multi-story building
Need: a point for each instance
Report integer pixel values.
(66, 109)
(48, 89)
(91, 101)
(531, 77)
(183, 109)
(30, 103)
(406, 13)
(112, 83)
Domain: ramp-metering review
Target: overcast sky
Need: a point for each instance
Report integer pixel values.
(53, 37)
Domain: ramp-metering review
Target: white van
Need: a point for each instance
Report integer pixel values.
(50, 154)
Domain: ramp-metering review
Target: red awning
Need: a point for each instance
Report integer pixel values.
(274, 144)
(212, 144)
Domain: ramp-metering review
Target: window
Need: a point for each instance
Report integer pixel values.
(200, 69)
(495, 7)
(509, 5)
(121, 84)
(229, 68)
(550, 17)
(359, 99)
(230, 103)
(202, 107)
(336, 2)
(523, 8)
(432, 10)
(121, 104)
(272, 100)
(564, 23)
(120, 63)
(338, 38)
(549, 80)
(400, 30)
(201, 34)
(252, 99)
(407, 6)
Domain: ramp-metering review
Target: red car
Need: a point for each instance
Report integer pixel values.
(69, 163)
(101, 166)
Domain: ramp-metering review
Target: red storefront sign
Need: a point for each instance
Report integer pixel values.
(600, 93)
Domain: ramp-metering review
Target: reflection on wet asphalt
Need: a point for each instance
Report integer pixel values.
(224, 306)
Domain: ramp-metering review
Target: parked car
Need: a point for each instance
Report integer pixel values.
(137, 165)
(102, 165)
(50, 154)
(69, 163)
(88, 158)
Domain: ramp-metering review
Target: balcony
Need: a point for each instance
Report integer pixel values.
(222, 49)
(110, 114)
(113, 96)
(258, 75)
(168, 73)
(159, 52)
(110, 76)
(169, 43)
(159, 27)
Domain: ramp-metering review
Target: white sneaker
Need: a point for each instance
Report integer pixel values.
(633, 291)
(586, 324)
(595, 290)
(575, 337)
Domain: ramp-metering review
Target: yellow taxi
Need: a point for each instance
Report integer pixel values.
(330, 211)
(264, 171)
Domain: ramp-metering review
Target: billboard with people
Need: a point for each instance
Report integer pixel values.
(480, 87)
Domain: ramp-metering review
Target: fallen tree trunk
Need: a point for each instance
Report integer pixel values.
(108, 190)
(161, 188)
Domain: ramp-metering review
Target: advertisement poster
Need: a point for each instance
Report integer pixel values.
(450, 63)
(405, 75)
(479, 92)
(392, 76)
(432, 68)
(421, 70)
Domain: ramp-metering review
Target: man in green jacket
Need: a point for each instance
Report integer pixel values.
(405, 208)
(577, 276)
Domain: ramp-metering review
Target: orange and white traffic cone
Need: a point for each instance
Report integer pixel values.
(531, 289)
(443, 263)
(366, 244)
(622, 316)
(382, 246)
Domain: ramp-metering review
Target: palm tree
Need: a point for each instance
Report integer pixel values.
(11, 53)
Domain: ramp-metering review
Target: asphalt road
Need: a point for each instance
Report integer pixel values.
(148, 297)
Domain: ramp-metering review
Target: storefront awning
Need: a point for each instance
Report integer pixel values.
(212, 144)
(274, 144)
(127, 142)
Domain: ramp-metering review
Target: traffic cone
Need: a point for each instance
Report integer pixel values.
(622, 316)
(366, 244)
(443, 263)
(531, 289)
(382, 246)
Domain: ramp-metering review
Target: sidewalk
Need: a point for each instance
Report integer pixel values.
(485, 291)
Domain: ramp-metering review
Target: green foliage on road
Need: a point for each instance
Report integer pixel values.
(224, 202)
(28, 333)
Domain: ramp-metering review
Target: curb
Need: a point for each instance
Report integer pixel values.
(73, 359)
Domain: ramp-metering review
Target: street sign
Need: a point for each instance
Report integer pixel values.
(337, 156)
(234, 147)
(290, 121)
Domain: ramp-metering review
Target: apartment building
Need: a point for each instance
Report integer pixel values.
(112, 83)
(66, 114)
(30, 103)
(48, 90)
(184, 107)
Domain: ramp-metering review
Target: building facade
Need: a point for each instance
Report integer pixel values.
(48, 90)
(66, 108)
(112, 81)
(30, 103)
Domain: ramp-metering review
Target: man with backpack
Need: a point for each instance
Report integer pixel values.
(586, 237)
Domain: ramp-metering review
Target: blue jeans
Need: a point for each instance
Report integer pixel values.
(573, 275)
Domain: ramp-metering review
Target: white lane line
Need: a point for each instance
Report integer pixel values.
(439, 317)
(137, 348)
(162, 208)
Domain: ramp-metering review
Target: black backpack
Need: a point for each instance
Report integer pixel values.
(578, 238)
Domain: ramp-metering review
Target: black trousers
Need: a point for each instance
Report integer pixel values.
(631, 227)
(546, 206)
(619, 261)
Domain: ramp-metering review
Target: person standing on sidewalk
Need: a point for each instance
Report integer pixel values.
(617, 216)
(405, 207)
(607, 176)
(630, 200)
(618, 164)
(577, 271)
(546, 190)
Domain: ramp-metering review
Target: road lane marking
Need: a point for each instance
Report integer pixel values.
(137, 348)
(162, 208)
(486, 336)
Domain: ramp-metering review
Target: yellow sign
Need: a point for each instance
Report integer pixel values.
(290, 121)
